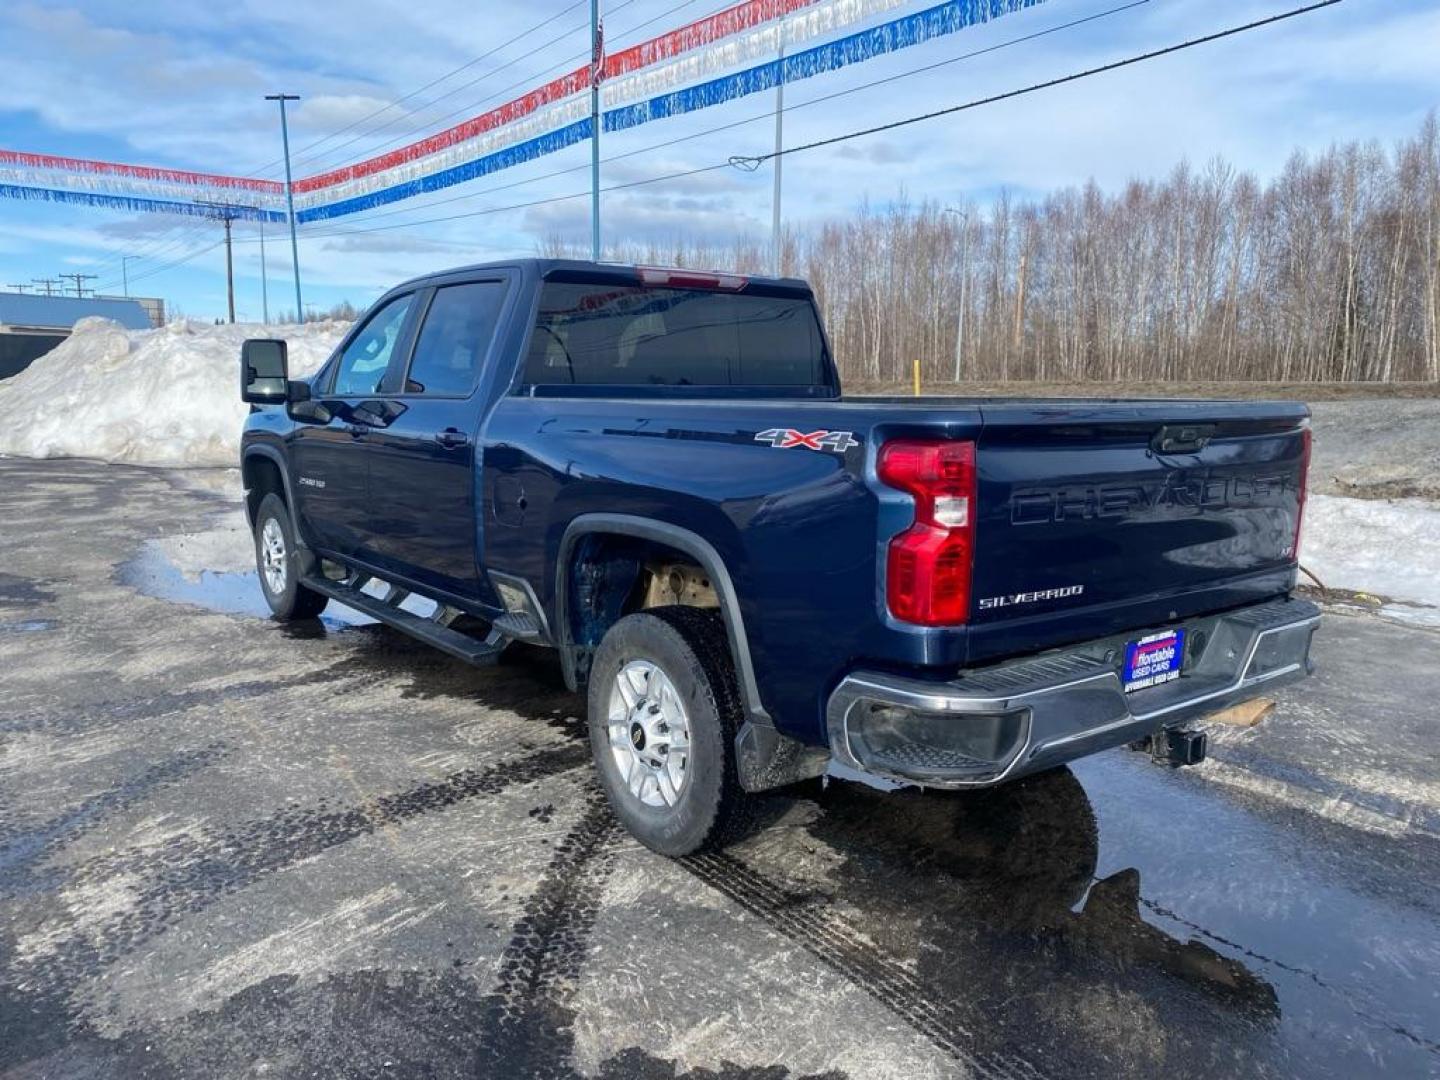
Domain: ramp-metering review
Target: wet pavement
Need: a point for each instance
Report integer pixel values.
(230, 848)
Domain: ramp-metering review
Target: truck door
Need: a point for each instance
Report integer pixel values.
(331, 481)
(424, 461)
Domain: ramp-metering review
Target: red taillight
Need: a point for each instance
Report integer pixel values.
(1304, 488)
(927, 573)
(691, 279)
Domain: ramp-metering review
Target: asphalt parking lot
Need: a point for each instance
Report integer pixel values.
(230, 848)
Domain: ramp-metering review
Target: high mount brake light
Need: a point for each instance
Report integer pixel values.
(928, 567)
(1304, 489)
(691, 279)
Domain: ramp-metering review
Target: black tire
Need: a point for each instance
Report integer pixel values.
(292, 601)
(690, 646)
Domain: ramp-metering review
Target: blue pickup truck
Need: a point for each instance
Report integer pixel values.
(753, 578)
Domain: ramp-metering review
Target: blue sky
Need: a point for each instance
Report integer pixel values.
(182, 85)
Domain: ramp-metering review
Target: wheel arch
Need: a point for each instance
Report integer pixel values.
(260, 466)
(686, 542)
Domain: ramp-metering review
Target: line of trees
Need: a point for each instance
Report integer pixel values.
(1328, 272)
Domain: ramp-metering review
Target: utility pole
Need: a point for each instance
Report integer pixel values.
(964, 278)
(779, 130)
(226, 213)
(125, 261)
(47, 284)
(18, 288)
(290, 192)
(597, 71)
(79, 280)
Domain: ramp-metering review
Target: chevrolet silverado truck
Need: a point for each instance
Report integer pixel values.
(754, 579)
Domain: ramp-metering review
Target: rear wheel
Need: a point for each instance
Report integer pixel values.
(663, 713)
(275, 558)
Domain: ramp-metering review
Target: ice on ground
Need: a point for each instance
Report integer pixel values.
(1389, 549)
(151, 397)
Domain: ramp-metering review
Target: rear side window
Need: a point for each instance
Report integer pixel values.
(363, 363)
(632, 335)
(455, 338)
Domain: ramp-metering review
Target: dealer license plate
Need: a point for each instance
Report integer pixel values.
(1153, 660)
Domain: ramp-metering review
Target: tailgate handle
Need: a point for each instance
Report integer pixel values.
(1182, 438)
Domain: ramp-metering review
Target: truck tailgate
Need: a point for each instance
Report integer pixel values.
(1097, 517)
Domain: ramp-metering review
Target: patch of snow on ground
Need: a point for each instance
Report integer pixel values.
(150, 397)
(1386, 548)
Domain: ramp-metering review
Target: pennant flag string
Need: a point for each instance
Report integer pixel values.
(650, 81)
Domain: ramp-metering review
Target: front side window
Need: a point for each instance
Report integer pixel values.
(454, 338)
(365, 359)
(636, 336)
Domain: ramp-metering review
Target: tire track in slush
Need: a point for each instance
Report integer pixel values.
(187, 875)
(529, 1019)
(528, 1027)
(835, 941)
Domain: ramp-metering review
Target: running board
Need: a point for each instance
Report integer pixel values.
(433, 631)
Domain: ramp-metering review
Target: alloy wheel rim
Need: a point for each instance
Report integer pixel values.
(272, 556)
(649, 734)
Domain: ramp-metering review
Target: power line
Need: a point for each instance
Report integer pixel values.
(189, 257)
(769, 114)
(472, 108)
(425, 125)
(761, 158)
(301, 153)
(410, 133)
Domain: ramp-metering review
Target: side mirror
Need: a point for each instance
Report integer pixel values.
(264, 372)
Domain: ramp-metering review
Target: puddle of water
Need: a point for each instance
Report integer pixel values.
(233, 592)
(1343, 935)
(28, 626)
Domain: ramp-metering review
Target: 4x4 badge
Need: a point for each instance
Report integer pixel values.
(789, 438)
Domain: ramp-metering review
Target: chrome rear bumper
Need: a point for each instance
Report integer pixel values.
(998, 723)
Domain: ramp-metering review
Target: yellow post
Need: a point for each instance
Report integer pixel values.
(917, 377)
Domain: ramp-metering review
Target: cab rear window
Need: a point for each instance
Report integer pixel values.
(596, 334)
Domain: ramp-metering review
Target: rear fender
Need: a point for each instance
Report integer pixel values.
(765, 757)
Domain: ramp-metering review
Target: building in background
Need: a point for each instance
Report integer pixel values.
(32, 325)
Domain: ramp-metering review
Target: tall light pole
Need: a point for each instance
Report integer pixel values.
(125, 261)
(964, 278)
(264, 278)
(290, 195)
(597, 66)
(779, 133)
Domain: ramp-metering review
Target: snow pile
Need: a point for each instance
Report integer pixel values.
(153, 397)
(1385, 548)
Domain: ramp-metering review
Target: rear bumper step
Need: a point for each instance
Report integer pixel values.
(999, 723)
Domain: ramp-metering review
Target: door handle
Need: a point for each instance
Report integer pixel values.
(452, 438)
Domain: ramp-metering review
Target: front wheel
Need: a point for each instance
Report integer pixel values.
(275, 552)
(663, 712)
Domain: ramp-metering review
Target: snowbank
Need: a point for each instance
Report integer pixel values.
(1385, 548)
(153, 397)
